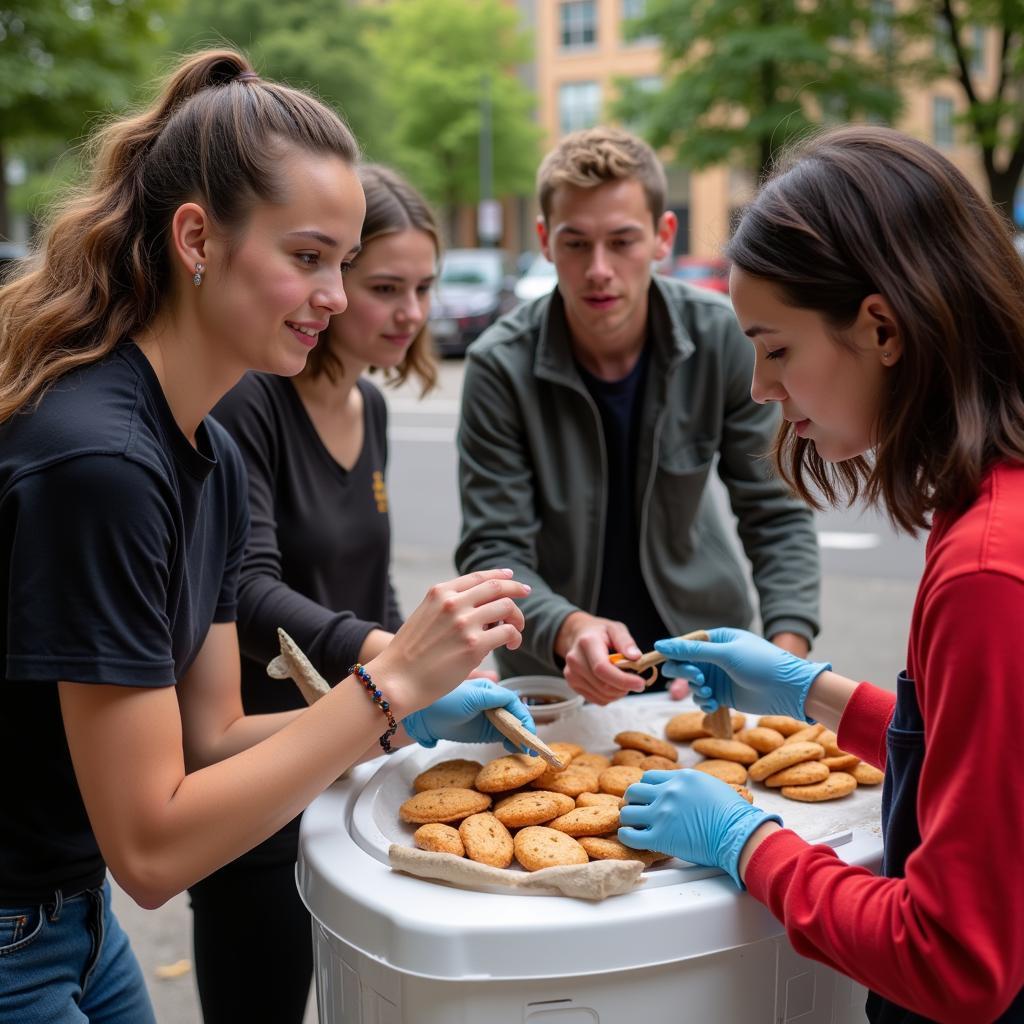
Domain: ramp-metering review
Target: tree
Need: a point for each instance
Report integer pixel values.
(317, 45)
(995, 121)
(743, 77)
(435, 61)
(63, 63)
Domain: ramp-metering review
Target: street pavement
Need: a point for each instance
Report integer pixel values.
(869, 579)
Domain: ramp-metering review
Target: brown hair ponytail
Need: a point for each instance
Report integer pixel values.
(213, 135)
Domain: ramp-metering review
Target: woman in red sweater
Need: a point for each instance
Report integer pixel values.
(885, 303)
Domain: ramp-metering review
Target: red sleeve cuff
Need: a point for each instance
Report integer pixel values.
(864, 723)
(772, 859)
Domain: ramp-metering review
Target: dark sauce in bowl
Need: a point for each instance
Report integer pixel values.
(536, 700)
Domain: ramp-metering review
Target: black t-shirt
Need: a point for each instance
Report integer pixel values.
(623, 595)
(319, 551)
(120, 544)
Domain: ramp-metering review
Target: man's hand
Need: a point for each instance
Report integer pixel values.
(585, 641)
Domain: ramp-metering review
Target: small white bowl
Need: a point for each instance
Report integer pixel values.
(547, 697)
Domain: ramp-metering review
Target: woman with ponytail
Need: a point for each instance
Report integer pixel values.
(210, 240)
(318, 564)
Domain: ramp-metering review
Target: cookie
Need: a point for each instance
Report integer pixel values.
(658, 763)
(570, 782)
(838, 784)
(454, 774)
(841, 763)
(532, 808)
(438, 838)
(538, 847)
(802, 774)
(828, 739)
(630, 757)
(744, 792)
(686, 726)
(619, 778)
(808, 734)
(607, 848)
(739, 720)
(446, 805)
(596, 761)
(567, 751)
(486, 840)
(763, 740)
(598, 800)
(783, 757)
(588, 821)
(867, 774)
(646, 743)
(728, 771)
(782, 723)
(510, 772)
(726, 750)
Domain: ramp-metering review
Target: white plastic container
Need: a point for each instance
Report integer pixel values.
(685, 946)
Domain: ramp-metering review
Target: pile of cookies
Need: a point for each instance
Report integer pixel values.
(803, 762)
(518, 808)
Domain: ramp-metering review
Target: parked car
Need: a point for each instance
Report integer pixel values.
(473, 289)
(704, 273)
(539, 279)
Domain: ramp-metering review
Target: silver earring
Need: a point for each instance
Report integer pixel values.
(197, 277)
(886, 355)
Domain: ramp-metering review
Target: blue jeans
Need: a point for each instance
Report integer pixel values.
(69, 962)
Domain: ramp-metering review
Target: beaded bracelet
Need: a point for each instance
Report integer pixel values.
(378, 698)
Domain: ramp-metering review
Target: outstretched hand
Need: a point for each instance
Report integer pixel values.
(738, 669)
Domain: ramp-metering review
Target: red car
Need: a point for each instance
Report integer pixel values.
(704, 273)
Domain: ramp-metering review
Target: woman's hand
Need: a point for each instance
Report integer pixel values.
(460, 716)
(737, 669)
(447, 636)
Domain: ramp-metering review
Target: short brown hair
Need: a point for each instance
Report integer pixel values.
(595, 156)
(392, 205)
(859, 210)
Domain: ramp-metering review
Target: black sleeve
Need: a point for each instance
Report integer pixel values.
(88, 575)
(331, 640)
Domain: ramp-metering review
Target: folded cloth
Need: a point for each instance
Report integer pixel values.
(593, 881)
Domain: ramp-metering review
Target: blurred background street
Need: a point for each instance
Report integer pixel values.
(868, 588)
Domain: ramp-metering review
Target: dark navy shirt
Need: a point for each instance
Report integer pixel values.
(120, 544)
(623, 595)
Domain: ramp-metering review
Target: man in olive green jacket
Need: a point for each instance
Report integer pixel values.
(591, 420)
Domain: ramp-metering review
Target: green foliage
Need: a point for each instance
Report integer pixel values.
(433, 59)
(318, 45)
(63, 65)
(743, 77)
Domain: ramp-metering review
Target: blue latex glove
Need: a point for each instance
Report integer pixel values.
(692, 816)
(459, 716)
(740, 670)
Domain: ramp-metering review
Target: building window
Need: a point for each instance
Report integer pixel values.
(579, 105)
(978, 49)
(880, 27)
(633, 10)
(577, 21)
(942, 121)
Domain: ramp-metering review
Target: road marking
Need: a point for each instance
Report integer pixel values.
(422, 435)
(848, 541)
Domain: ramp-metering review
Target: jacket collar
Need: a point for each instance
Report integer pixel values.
(671, 341)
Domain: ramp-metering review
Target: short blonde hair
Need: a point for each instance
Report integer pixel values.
(595, 156)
